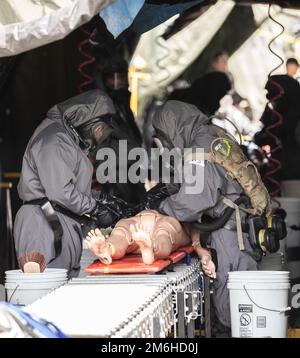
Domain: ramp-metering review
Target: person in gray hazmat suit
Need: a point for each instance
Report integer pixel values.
(55, 182)
(181, 125)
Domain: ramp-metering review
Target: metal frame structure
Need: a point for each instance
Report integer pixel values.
(173, 304)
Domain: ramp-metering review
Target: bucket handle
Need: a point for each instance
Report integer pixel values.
(14, 291)
(265, 308)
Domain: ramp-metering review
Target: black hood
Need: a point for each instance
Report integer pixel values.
(181, 123)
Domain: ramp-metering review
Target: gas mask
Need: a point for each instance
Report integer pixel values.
(161, 141)
(86, 133)
(116, 81)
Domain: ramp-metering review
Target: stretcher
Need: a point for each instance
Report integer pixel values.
(133, 264)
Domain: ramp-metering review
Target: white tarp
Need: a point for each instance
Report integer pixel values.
(252, 62)
(27, 24)
(165, 60)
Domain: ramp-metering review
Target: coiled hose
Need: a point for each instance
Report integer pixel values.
(269, 175)
(87, 79)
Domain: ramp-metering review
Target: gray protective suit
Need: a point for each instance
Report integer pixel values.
(55, 167)
(186, 127)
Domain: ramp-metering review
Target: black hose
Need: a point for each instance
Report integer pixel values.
(222, 220)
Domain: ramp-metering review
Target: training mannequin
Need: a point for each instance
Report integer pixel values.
(151, 234)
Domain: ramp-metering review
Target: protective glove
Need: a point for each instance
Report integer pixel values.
(159, 193)
(109, 210)
(153, 198)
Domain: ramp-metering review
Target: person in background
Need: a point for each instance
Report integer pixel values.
(292, 67)
(207, 91)
(113, 79)
(220, 61)
(115, 82)
(283, 92)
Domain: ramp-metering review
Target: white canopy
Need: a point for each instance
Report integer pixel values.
(27, 24)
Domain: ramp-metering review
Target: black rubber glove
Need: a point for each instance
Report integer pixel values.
(109, 210)
(158, 194)
(153, 198)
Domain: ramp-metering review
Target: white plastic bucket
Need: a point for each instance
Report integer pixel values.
(258, 300)
(291, 188)
(25, 288)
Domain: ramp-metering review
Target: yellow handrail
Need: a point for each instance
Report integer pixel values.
(6, 185)
(11, 175)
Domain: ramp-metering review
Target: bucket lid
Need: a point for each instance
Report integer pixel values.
(35, 279)
(262, 277)
(258, 273)
(48, 274)
(257, 285)
(48, 271)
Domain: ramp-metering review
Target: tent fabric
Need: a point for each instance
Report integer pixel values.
(152, 15)
(142, 16)
(167, 59)
(27, 24)
(120, 15)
